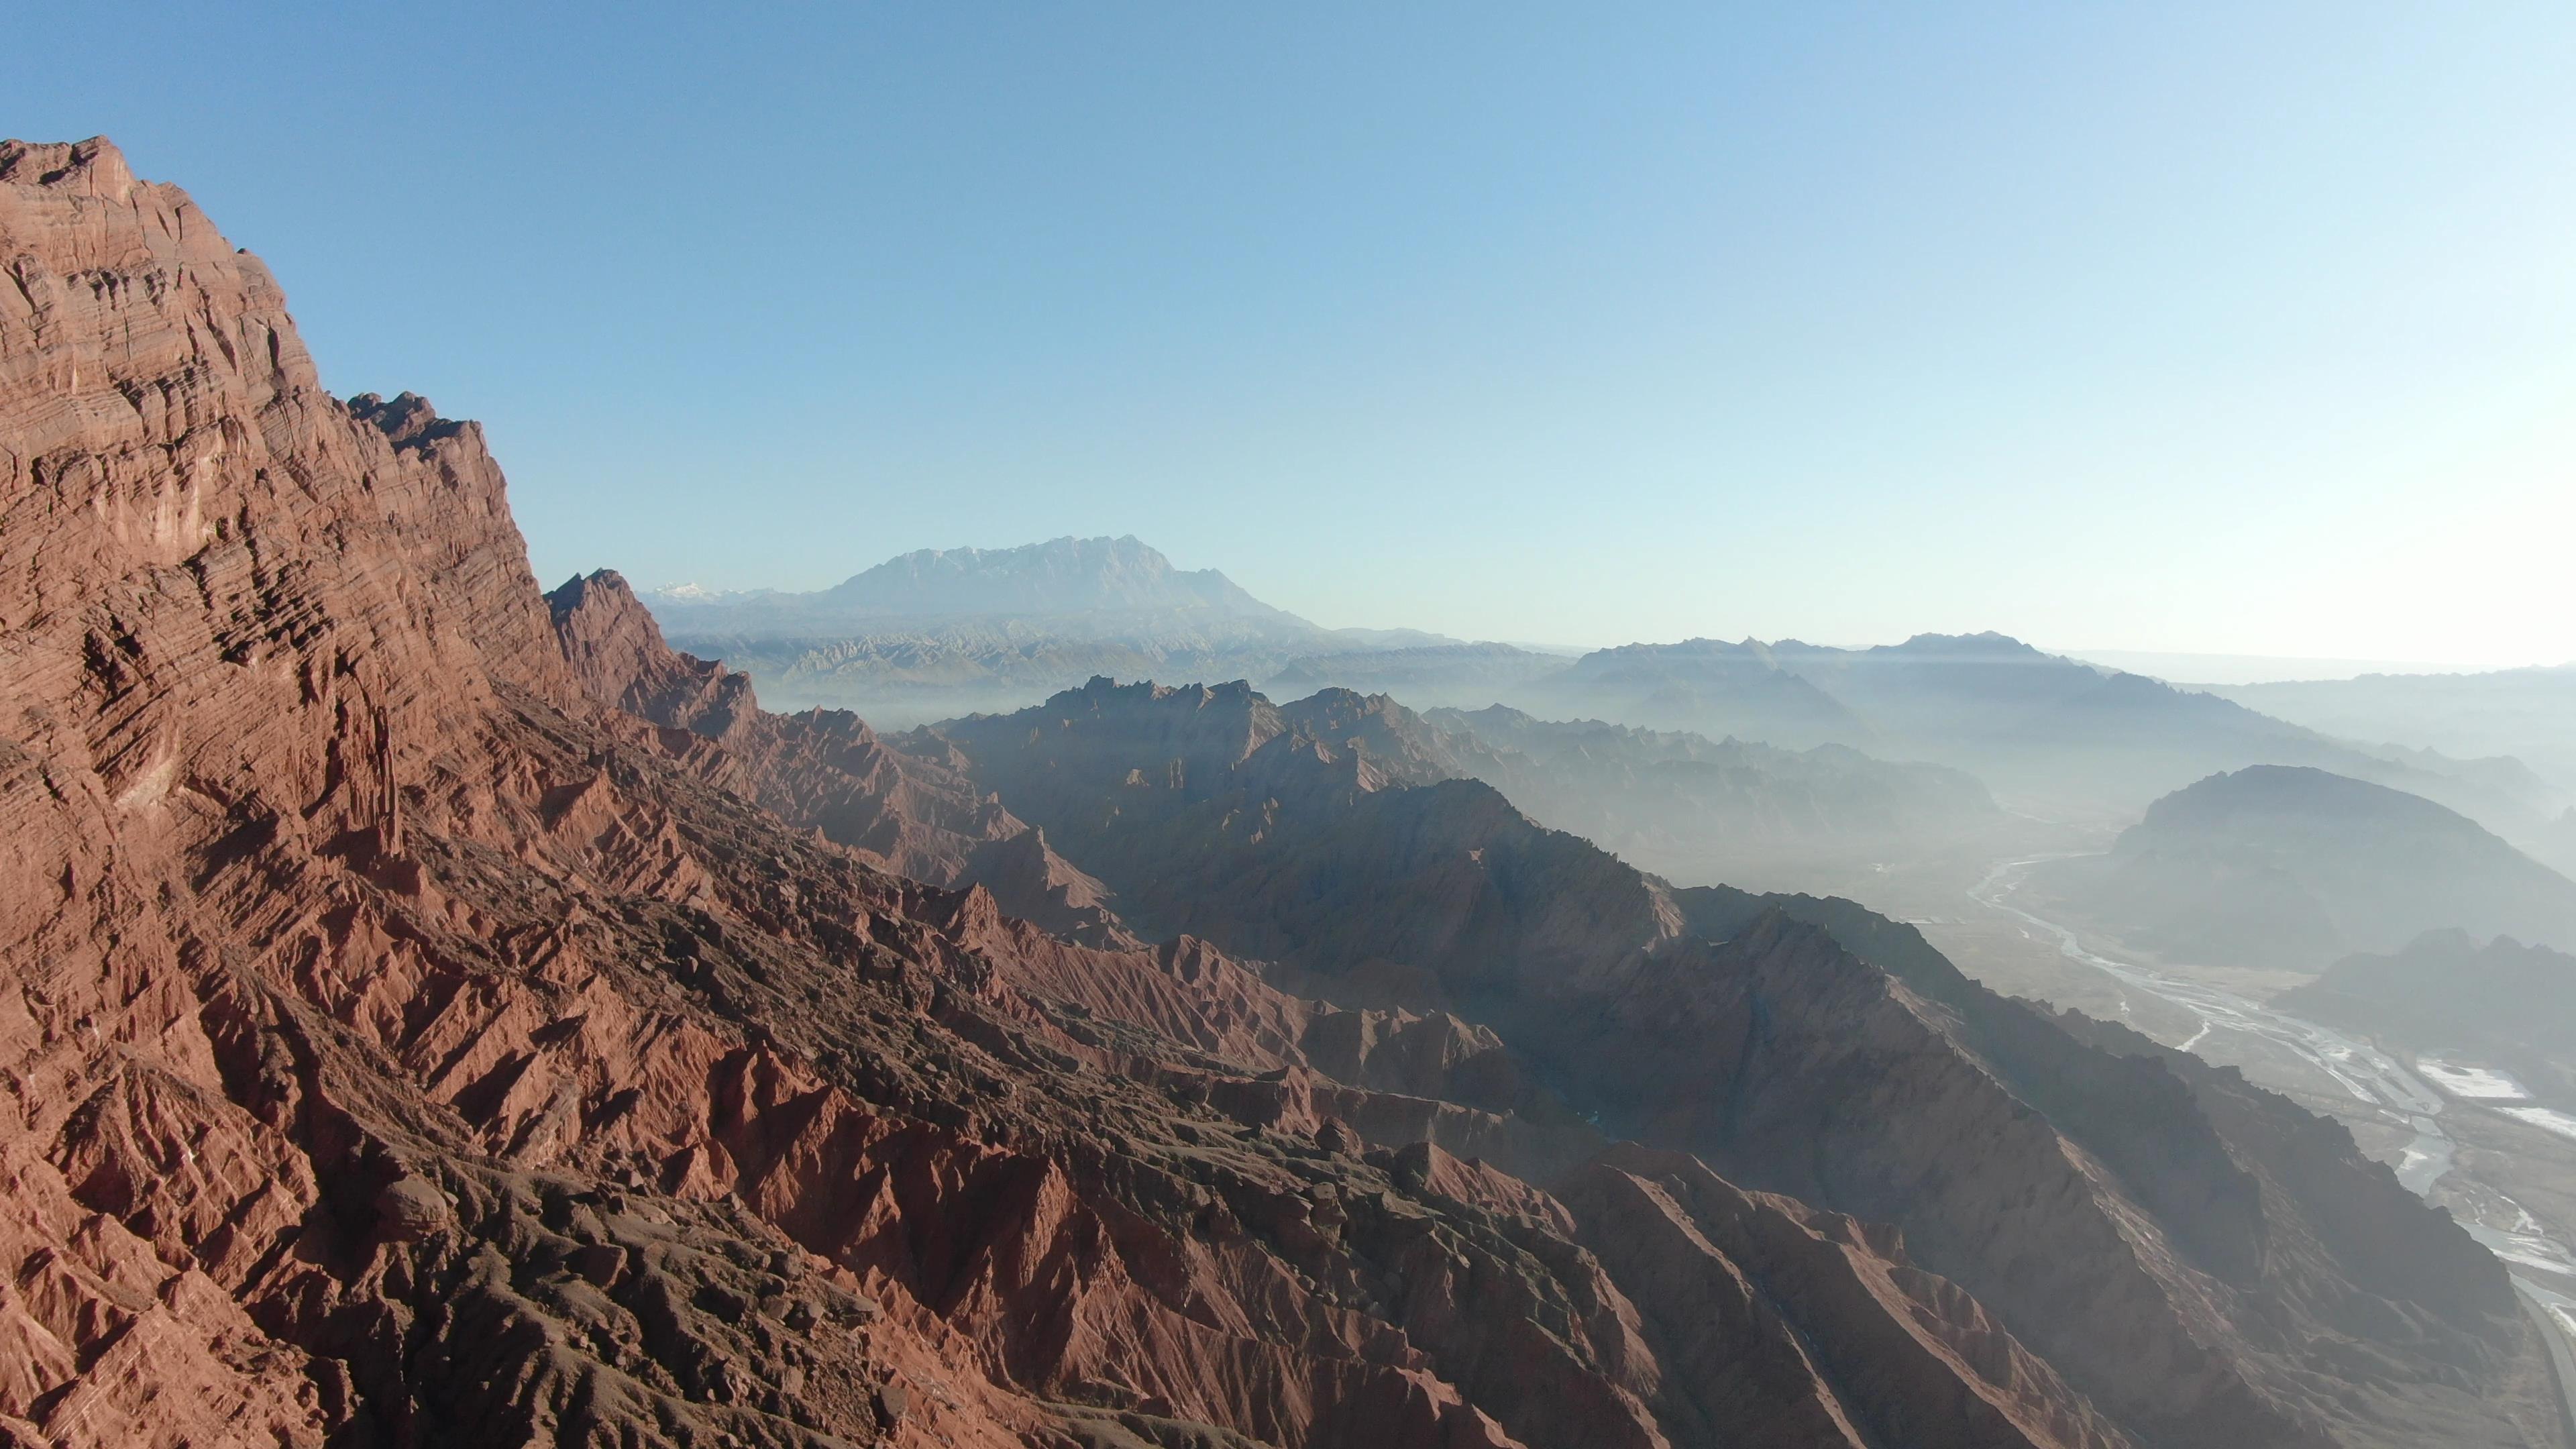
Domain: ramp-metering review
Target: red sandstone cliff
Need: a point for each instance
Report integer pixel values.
(409, 1042)
(824, 768)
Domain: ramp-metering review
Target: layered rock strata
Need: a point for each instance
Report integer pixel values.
(408, 1041)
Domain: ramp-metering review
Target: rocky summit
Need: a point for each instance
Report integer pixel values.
(437, 1012)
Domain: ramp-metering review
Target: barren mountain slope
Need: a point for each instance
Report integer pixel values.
(2210, 1266)
(405, 1046)
(2498, 1002)
(2287, 868)
(825, 769)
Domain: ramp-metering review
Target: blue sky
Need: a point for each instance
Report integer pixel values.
(2228, 328)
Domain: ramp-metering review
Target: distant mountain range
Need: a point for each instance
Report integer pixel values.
(1425, 675)
(2201, 671)
(2526, 713)
(2047, 732)
(2083, 1179)
(2293, 868)
(1107, 579)
(938, 634)
(1709, 810)
(941, 632)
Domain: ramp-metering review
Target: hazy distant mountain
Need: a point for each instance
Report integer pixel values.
(1703, 810)
(2201, 671)
(684, 595)
(2049, 733)
(1061, 576)
(2293, 868)
(1945, 696)
(1707, 686)
(1992, 698)
(2527, 713)
(944, 632)
(1423, 675)
(2144, 732)
(2502, 1005)
(1086, 585)
(938, 634)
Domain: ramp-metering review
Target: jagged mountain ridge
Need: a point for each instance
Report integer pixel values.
(825, 769)
(426, 1049)
(2119, 1193)
(411, 1045)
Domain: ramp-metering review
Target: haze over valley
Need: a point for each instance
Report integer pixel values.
(2168, 857)
(1586, 902)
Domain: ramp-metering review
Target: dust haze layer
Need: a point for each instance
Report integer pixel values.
(445, 1013)
(939, 634)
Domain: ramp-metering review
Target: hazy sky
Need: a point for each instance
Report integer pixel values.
(2227, 328)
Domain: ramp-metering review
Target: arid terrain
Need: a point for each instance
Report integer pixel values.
(434, 1010)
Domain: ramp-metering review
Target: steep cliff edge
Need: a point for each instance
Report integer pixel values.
(824, 769)
(407, 1044)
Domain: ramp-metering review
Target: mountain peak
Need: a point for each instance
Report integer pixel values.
(1984, 644)
(94, 167)
(1059, 576)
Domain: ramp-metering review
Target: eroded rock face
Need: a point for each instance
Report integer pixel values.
(407, 1043)
(1883, 1349)
(2194, 1257)
(823, 769)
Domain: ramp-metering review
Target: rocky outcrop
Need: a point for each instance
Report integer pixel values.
(617, 652)
(1777, 1294)
(408, 1044)
(274, 1174)
(823, 769)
